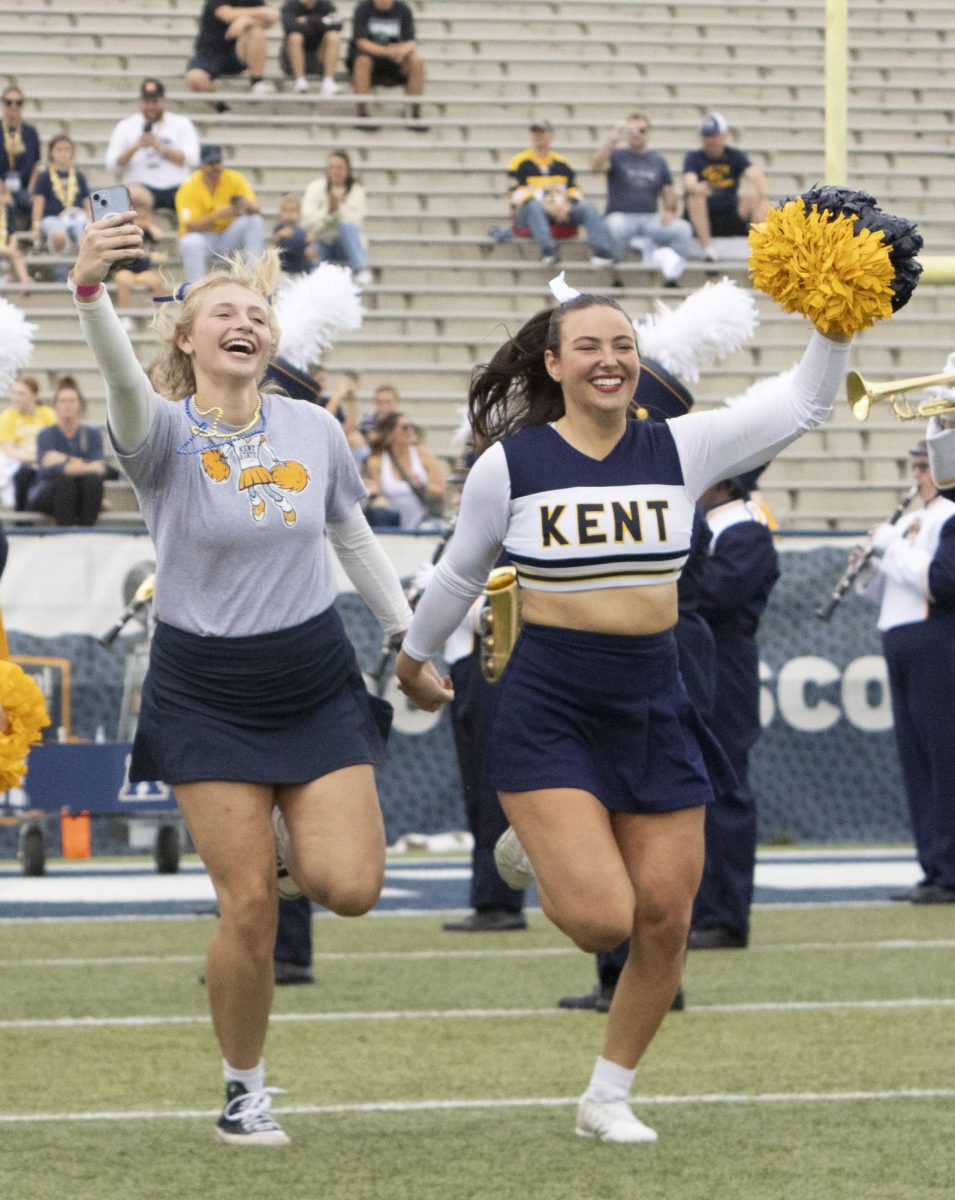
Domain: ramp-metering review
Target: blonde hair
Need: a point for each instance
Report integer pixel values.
(259, 275)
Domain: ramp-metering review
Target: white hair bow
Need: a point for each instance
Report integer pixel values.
(561, 289)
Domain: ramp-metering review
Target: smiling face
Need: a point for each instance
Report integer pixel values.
(597, 364)
(230, 336)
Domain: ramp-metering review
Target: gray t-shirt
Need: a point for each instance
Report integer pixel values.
(635, 181)
(239, 525)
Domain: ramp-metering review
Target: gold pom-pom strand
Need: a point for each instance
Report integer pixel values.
(839, 276)
(22, 701)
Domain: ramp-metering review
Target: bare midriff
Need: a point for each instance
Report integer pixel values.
(628, 611)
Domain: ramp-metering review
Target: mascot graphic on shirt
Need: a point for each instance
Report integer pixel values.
(261, 475)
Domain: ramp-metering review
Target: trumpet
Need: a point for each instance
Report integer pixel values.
(862, 395)
(854, 569)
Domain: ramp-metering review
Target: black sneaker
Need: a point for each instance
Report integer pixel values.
(596, 1000)
(246, 1118)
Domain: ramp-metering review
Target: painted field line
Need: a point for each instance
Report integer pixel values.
(470, 1014)
(415, 1106)
(346, 956)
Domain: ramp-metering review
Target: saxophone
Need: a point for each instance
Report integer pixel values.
(500, 621)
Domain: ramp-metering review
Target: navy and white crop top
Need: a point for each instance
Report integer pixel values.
(574, 523)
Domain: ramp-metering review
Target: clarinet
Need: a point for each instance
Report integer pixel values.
(379, 675)
(852, 572)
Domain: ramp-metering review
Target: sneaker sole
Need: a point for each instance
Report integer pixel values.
(276, 1138)
(638, 1141)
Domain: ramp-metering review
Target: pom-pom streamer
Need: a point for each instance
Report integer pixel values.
(834, 256)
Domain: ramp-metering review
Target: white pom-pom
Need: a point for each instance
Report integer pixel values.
(710, 324)
(16, 343)
(314, 310)
(764, 391)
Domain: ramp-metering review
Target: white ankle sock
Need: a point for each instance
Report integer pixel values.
(609, 1081)
(253, 1080)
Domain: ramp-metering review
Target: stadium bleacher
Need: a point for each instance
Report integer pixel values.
(443, 288)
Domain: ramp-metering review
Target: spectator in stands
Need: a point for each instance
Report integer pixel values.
(725, 192)
(69, 484)
(312, 33)
(333, 212)
(231, 38)
(19, 154)
(218, 214)
(386, 401)
(296, 256)
(20, 424)
(59, 194)
(9, 250)
(544, 193)
(153, 147)
(383, 52)
(740, 573)
(912, 579)
(140, 274)
(638, 183)
(403, 476)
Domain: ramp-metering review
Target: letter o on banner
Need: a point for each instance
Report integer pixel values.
(797, 705)
(863, 679)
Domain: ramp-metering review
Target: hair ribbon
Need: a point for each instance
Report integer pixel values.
(561, 289)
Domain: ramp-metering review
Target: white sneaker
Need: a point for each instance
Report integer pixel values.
(670, 264)
(263, 87)
(364, 278)
(611, 1121)
(548, 260)
(597, 260)
(512, 863)
(300, 84)
(711, 254)
(284, 861)
(329, 86)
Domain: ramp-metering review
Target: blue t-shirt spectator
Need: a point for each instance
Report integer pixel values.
(86, 443)
(53, 205)
(635, 181)
(722, 174)
(25, 160)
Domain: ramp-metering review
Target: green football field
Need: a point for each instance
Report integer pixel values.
(816, 1064)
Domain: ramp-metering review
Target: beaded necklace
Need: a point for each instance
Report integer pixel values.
(214, 438)
(64, 189)
(13, 143)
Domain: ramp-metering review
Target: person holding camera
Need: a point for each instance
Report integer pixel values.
(153, 147)
(312, 42)
(218, 214)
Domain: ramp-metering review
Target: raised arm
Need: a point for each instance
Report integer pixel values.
(719, 444)
(130, 399)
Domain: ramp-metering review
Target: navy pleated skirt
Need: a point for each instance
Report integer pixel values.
(282, 707)
(605, 713)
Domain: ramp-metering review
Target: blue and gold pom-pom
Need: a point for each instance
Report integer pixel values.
(834, 256)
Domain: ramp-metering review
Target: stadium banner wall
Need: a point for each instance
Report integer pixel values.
(824, 770)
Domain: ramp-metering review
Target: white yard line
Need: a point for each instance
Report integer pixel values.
(415, 1106)
(466, 1014)
(346, 956)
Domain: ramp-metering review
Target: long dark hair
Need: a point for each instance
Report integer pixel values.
(350, 179)
(514, 391)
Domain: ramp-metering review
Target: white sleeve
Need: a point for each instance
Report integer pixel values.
(117, 144)
(189, 144)
(907, 565)
(460, 576)
(719, 444)
(370, 570)
(130, 400)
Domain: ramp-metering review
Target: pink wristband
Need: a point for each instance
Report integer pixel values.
(82, 289)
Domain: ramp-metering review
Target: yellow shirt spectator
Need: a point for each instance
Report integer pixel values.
(194, 200)
(19, 430)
